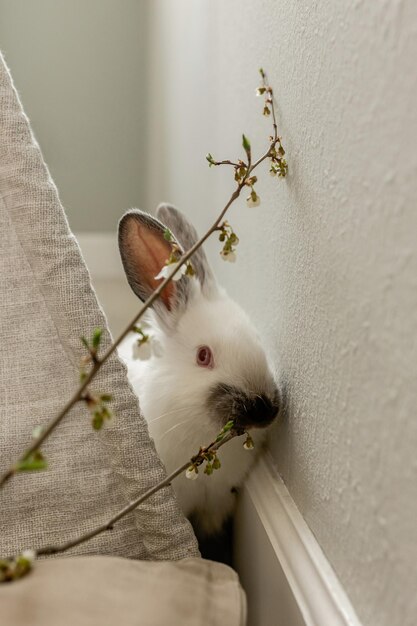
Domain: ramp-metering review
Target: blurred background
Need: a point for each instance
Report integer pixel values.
(126, 97)
(122, 120)
(80, 68)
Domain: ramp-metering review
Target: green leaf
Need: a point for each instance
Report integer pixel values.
(97, 421)
(246, 145)
(32, 463)
(22, 567)
(168, 235)
(95, 341)
(106, 397)
(230, 424)
(106, 413)
(85, 342)
(17, 567)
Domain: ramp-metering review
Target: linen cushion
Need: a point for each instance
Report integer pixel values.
(46, 303)
(104, 591)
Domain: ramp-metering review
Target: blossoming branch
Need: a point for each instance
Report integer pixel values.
(178, 264)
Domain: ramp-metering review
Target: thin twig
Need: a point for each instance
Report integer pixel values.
(98, 362)
(197, 459)
(14, 568)
(38, 441)
(271, 93)
(227, 162)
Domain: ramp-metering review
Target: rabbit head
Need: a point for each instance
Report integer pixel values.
(210, 366)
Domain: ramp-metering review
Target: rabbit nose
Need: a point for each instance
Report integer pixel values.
(258, 412)
(227, 402)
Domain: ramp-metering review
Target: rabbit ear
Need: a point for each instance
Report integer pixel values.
(144, 252)
(187, 236)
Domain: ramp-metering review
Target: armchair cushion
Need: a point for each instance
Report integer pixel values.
(104, 591)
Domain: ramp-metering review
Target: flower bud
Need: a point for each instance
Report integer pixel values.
(191, 473)
(249, 445)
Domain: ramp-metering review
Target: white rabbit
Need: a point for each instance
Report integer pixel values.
(209, 367)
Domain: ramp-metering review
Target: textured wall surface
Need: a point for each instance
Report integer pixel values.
(80, 70)
(327, 265)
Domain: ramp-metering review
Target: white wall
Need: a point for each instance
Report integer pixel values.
(80, 69)
(327, 264)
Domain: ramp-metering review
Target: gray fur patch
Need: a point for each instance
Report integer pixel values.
(227, 402)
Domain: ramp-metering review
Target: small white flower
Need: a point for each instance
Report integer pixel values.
(249, 445)
(29, 555)
(146, 346)
(167, 269)
(228, 255)
(191, 473)
(37, 431)
(251, 202)
(142, 350)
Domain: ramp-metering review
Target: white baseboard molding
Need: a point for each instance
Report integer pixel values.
(287, 578)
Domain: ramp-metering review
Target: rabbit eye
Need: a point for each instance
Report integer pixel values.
(205, 357)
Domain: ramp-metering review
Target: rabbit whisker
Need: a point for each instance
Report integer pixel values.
(176, 426)
(181, 409)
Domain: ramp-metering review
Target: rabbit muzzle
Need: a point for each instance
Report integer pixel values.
(247, 410)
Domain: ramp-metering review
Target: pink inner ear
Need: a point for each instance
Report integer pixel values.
(149, 252)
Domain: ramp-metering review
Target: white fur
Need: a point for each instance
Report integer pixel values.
(173, 389)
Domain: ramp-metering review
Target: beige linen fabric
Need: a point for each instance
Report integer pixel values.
(104, 591)
(46, 303)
